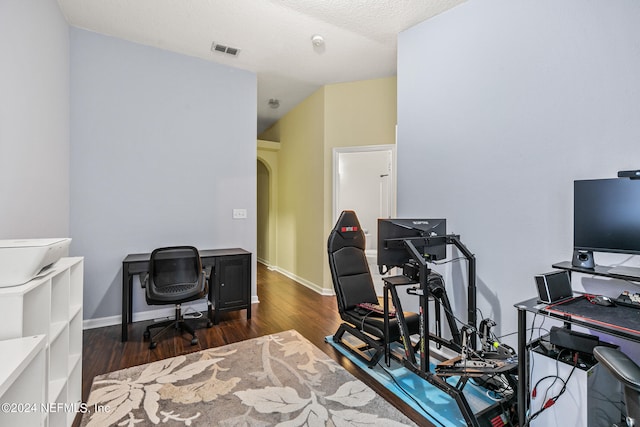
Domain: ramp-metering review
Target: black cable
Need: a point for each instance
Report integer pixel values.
(448, 261)
(501, 391)
(547, 403)
(532, 361)
(365, 318)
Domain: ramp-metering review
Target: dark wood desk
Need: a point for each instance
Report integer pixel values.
(227, 264)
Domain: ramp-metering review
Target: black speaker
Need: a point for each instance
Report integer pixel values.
(554, 286)
(583, 259)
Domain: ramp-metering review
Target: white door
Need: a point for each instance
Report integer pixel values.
(364, 181)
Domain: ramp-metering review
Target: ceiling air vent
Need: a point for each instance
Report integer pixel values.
(216, 47)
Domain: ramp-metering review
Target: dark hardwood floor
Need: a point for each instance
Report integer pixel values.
(284, 304)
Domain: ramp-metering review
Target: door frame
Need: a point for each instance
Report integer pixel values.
(361, 149)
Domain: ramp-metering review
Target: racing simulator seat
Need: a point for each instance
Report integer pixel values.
(356, 295)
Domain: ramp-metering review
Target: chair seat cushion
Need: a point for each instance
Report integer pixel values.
(374, 323)
(171, 293)
(176, 289)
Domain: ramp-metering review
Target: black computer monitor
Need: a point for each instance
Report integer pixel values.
(606, 215)
(391, 235)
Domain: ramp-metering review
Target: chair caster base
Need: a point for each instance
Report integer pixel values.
(209, 324)
(153, 345)
(194, 341)
(146, 335)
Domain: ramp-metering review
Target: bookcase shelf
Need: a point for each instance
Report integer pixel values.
(22, 379)
(49, 306)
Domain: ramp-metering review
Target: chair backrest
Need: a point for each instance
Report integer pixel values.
(350, 273)
(175, 274)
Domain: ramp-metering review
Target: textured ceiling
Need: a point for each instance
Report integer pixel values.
(274, 37)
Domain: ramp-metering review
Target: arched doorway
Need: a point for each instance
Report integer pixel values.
(267, 203)
(263, 202)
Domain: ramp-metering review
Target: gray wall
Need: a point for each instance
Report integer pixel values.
(501, 106)
(163, 148)
(34, 120)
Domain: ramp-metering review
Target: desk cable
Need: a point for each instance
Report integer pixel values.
(552, 400)
(191, 313)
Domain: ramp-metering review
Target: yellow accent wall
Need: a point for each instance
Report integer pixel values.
(300, 190)
(337, 115)
(360, 113)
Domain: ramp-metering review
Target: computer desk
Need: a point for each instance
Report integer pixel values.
(134, 264)
(595, 318)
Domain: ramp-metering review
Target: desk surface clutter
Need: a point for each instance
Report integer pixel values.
(624, 318)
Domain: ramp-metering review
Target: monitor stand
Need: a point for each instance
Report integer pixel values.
(583, 259)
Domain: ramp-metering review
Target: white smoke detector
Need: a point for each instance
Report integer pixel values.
(317, 40)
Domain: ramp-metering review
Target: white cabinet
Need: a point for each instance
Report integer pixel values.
(51, 305)
(592, 396)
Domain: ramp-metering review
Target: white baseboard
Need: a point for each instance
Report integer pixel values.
(266, 264)
(314, 287)
(140, 316)
(101, 322)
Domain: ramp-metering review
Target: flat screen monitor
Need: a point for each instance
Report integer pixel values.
(392, 232)
(606, 215)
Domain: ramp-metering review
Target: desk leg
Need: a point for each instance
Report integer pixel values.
(523, 379)
(126, 302)
(215, 315)
(249, 290)
(387, 349)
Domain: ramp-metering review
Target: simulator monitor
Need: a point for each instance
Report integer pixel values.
(392, 233)
(606, 215)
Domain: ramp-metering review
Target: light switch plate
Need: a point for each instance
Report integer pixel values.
(239, 214)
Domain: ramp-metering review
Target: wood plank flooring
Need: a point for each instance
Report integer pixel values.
(284, 304)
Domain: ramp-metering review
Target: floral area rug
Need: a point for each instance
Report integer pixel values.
(275, 380)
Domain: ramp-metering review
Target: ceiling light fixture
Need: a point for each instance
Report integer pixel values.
(273, 103)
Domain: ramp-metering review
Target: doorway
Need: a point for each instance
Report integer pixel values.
(364, 181)
(262, 213)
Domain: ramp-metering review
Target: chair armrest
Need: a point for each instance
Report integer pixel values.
(204, 280)
(208, 271)
(620, 365)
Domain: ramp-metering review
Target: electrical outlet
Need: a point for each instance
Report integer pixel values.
(239, 214)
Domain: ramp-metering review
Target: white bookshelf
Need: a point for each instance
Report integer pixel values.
(22, 380)
(50, 305)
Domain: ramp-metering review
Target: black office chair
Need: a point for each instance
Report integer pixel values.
(627, 372)
(175, 276)
(353, 284)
